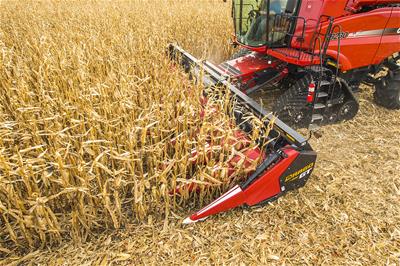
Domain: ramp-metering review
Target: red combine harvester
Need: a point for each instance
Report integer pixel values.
(315, 54)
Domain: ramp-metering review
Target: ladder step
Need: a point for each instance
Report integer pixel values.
(319, 106)
(334, 102)
(324, 83)
(322, 94)
(316, 117)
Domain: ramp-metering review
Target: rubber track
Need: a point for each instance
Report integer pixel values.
(294, 99)
(387, 92)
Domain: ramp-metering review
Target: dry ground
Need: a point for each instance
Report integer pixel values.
(348, 213)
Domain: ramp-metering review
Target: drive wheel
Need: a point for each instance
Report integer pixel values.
(291, 107)
(387, 92)
(348, 110)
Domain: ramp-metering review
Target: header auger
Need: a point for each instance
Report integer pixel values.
(314, 55)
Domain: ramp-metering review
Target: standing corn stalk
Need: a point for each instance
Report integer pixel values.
(97, 127)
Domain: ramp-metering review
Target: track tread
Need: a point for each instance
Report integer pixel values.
(387, 92)
(292, 100)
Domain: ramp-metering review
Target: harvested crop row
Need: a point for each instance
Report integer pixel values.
(97, 126)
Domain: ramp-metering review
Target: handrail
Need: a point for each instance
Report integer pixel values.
(339, 34)
(283, 20)
(319, 41)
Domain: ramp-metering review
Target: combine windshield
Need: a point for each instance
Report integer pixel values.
(254, 20)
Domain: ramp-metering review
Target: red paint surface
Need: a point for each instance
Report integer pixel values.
(355, 52)
(265, 187)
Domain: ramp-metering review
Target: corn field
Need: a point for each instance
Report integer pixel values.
(97, 125)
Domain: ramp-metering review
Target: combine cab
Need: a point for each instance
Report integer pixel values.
(315, 54)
